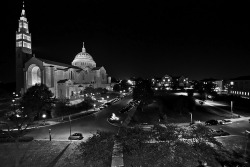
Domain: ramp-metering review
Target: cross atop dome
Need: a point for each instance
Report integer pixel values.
(83, 48)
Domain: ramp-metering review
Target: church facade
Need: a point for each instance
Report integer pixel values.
(64, 80)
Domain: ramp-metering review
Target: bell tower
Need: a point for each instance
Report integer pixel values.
(23, 50)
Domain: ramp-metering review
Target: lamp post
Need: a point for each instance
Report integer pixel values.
(94, 106)
(69, 125)
(191, 117)
(44, 116)
(49, 134)
(14, 107)
(107, 97)
(232, 108)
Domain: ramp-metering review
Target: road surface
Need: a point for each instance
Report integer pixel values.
(86, 125)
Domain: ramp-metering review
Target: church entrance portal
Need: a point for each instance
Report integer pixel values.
(34, 75)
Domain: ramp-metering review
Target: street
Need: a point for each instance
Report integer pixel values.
(86, 125)
(213, 111)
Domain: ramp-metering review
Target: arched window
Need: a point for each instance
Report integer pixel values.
(35, 75)
(71, 76)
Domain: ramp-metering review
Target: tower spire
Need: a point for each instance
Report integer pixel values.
(23, 11)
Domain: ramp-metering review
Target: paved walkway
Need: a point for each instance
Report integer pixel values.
(117, 156)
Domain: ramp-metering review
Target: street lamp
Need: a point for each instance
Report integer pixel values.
(94, 106)
(69, 125)
(107, 97)
(49, 134)
(232, 108)
(44, 116)
(14, 106)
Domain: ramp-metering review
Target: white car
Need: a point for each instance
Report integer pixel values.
(224, 122)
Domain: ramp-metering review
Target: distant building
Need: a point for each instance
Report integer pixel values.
(168, 82)
(240, 86)
(64, 80)
(180, 82)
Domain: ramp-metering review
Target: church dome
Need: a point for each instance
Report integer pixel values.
(83, 59)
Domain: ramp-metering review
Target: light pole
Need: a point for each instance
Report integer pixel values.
(232, 108)
(44, 116)
(69, 125)
(14, 106)
(191, 117)
(49, 134)
(94, 106)
(107, 97)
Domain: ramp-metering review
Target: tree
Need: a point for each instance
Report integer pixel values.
(170, 145)
(38, 99)
(143, 92)
(124, 85)
(116, 87)
(97, 150)
(184, 105)
(101, 90)
(89, 90)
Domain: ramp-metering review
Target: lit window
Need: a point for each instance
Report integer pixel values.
(26, 37)
(27, 45)
(18, 36)
(23, 18)
(25, 25)
(19, 44)
(20, 24)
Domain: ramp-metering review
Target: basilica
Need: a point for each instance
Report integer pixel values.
(64, 80)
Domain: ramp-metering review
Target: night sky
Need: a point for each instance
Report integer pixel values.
(135, 38)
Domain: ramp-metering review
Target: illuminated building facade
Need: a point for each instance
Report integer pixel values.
(168, 82)
(240, 86)
(64, 80)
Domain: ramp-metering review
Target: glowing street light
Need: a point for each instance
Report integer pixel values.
(94, 106)
(44, 116)
(107, 97)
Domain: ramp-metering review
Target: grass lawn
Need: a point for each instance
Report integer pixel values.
(235, 143)
(35, 153)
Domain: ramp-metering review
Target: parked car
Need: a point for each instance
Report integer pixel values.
(211, 122)
(76, 136)
(225, 121)
(220, 133)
